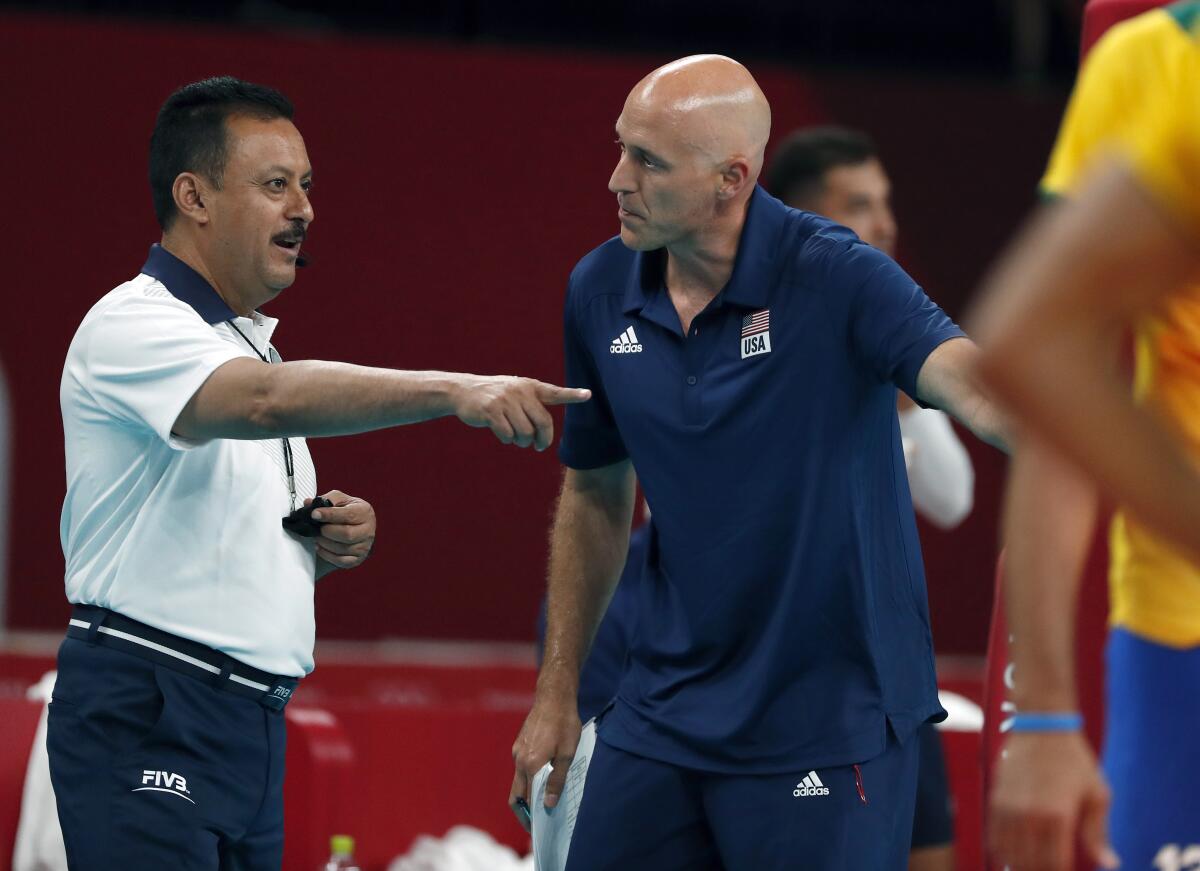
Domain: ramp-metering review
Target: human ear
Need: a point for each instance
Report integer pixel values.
(189, 192)
(735, 175)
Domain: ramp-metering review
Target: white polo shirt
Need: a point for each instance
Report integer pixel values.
(181, 535)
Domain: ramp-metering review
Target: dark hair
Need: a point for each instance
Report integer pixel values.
(190, 133)
(797, 170)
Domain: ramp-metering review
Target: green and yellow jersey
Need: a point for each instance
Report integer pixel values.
(1138, 96)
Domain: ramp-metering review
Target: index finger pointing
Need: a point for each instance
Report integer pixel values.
(551, 394)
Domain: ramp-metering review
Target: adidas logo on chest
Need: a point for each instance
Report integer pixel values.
(626, 343)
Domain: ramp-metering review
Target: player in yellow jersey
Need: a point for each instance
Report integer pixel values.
(1116, 255)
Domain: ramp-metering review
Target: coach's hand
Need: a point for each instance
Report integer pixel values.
(1048, 788)
(550, 734)
(513, 408)
(348, 530)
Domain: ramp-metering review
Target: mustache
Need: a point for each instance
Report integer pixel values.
(297, 233)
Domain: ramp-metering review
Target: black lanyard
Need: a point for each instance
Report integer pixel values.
(287, 448)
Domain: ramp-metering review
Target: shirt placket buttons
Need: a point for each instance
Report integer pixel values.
(694, 363)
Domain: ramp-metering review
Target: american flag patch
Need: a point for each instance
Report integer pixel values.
(756, 323)
(756, 334)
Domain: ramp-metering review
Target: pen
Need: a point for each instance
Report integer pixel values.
(523, 810)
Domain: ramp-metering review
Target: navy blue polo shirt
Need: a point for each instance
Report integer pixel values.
(782, 619)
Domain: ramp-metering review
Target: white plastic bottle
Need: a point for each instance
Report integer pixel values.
(341, 854)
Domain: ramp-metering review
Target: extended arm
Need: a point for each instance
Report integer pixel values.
(1076, 280)
(588, 545)
(248, 399)
(949, 380)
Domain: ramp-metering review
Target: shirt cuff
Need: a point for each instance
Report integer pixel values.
(910, 366)
(597, 450)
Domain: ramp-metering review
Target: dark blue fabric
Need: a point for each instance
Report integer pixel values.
(602, 670)
(1150, 759)
(640, 814)
(782, 614)
(155, 769)
(933, 817)
(186, 285)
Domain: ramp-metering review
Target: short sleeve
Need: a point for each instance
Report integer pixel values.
(144, 358)
(1105, 94)
(590, 436)
(1164, 150)
(894, 325)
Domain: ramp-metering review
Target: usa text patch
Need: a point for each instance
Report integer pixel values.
(756, 334)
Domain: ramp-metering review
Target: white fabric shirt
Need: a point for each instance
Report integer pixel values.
(183, 536)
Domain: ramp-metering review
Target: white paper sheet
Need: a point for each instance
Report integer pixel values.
(552, 829)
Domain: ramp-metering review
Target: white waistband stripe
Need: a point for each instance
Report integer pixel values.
(250, 683)
(191, 660)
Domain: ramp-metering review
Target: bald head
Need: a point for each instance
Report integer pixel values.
(692, 135)
(711, 103)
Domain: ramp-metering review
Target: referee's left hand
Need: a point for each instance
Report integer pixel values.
(348, 531)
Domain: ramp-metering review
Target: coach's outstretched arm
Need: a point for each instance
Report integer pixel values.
(588, 544)
(949, 381)
(248, 399)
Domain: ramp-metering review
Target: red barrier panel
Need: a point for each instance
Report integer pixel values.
(962, 769)
(390, 750)
(320, 780)
(18, 722)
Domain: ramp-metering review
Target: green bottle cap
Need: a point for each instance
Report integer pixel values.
(342, 844)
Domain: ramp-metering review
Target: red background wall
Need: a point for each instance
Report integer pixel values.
(456, 187)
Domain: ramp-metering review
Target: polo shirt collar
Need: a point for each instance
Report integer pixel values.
(187, 285)
(644, 292)
(754, 268)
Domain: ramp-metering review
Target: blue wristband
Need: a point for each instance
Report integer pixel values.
(1037, 722)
